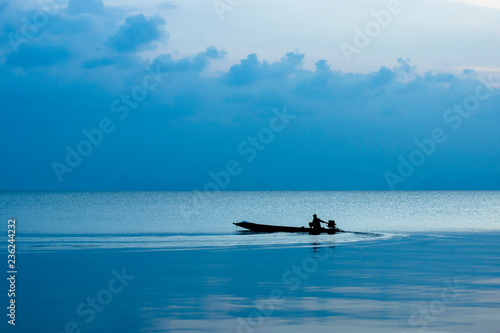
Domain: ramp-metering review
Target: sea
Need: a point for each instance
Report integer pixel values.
(175, 262)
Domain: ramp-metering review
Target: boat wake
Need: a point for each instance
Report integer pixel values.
(44, 243)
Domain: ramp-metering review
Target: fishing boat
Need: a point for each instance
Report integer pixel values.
(255, 227)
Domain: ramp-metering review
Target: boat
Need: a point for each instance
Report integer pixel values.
(255, 227)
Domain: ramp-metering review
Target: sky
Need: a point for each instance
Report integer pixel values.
(249, 95)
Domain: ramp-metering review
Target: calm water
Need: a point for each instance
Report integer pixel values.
(426, 261)
(184, 212)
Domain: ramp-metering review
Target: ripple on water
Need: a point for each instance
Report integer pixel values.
(189, 241)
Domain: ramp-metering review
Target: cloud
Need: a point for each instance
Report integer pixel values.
(137, 32)
(349, 128)
(247, 71)
(37, 56)
(468, 71)
(3, 6)
(167, 5)
(382, 77)
(91, 64)
(197, 63)
(76, 7)
(251, 69)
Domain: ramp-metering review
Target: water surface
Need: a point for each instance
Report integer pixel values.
(214, 212)
(419, 261)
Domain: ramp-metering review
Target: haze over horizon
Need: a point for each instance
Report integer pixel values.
(105, 95)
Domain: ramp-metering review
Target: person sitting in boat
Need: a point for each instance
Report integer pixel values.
(332, 224)
(316, 222)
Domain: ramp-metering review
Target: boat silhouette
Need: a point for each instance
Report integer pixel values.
(255, 227)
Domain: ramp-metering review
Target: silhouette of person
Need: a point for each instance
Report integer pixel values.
(316, 222)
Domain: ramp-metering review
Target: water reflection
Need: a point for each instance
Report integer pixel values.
(312, 285)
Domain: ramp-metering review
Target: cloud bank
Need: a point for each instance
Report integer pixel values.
(166, 123)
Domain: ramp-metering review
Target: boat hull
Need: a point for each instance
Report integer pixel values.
(255, 227)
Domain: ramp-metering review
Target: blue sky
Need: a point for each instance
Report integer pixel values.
(169, 95)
